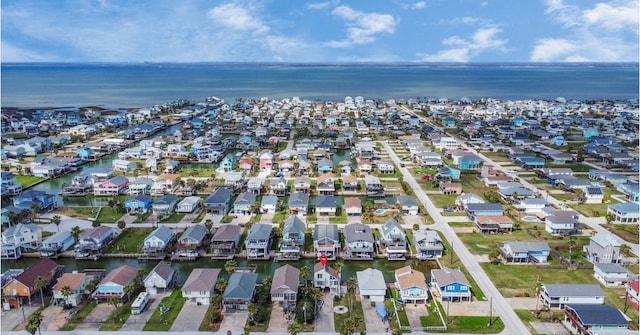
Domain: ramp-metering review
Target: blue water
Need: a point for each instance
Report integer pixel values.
(124, 85)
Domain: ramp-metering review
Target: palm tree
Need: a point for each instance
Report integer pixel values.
(66, 292)
(129, 290)
(305, 273)
(572, 243)
(348, 327)
(39, 284)
(34, 322)
(538, 288)
(338, 266)
(221, 285)
(351, 290)
(56, 221)
(216, 300)
(114, 301)
(230, 266)
(294, 328)
(358, 322)
(494, 256)
(252, 308)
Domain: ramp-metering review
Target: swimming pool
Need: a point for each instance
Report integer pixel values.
(380, 211)
(530, 219)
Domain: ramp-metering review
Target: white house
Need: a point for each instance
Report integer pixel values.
(188, 205)
(76, 282)
(200, 286)
(531, 205)
(612, 274)
(123, 165)
(161, 278)
(371, 284)
(325, 277)
(559, 295)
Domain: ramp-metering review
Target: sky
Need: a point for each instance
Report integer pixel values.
(334, 31)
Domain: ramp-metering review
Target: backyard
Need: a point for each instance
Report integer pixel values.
(163, 322)
(27, 181)
(109, 215)
(130, 241)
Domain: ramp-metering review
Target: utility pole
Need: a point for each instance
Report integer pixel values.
(490, 311)
(448, 302)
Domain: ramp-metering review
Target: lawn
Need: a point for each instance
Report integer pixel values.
(564, 196)
(474, 325)
(591, 210)
(77, 212)
(173, 218)
(208, 173)
(117, 318)
(401, 315)
(159, 322)
(200, 216)
(433, 319)
(261, 327)
(627, 232)
(130, 241)
(409, 237)
(79, 317)
(204, 324)
(27, 181)
(109, 215)
(356, 311)
(443, 200)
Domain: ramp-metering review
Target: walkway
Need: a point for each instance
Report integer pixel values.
(325, 320)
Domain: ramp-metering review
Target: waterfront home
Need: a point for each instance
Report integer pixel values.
(227, 163)
(525, 252)
(385, 167)
(495, 180)
(450, 284)
(200, 286)
(191, 240)
(225, 241)
(254, 185)
(408, 204)
(165, 184)
(350, 183)
(562, 223)
(93, 240)
(326, 205)
(171, 166)
(278, 186)
(612, 274)
(359, 241)
(124, 165)
(266, 161)
(284, 287)
(325, 165)
(595, 319)
(258, 241)
(302, 184)
(393, 240)
(188, 204)
(493, 224)
(373, 186)
(428, 244)
(603, 248)
(365, 166)
(151, 164)
(451, 188)
(112, 285)
(559, 295)
(299, 203)
(448, 173)
(412, 285)
(531, 205)
(219, 201)
(114, 186)
(371, 285)
(631, 189)
(138, 204)
(9, 185)
(140, 185)
(25, 236)
(324, 276)
(625, 212)
(353, 206)
(56, 243)
(293, 235)
(160, 279)
(234, 180)
(245, 165)
(23, 286)
(269, 204)
(326, 184)
(244, 203)
(239, 292)
(76, 282)
(286, 165)
(445, 143)
(36, 201)
(325, 240)
(158, 240)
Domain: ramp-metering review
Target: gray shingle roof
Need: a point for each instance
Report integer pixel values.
(220, 196)
(596, 315)
(358, 232)
(446, 276)
(299, 199)
(163, 233)
(196, 232)
(324, 201)
(284, 278)
(163, 269)
(574, 290)
(259, 231)
(528, 246)
(329, 231)
(201, 280)
(226, 233)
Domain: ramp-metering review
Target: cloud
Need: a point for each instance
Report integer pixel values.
(419, 5)
(237, 18)
(322, 5)
(12, 53)
(362, 28)
(597, 34)
(463, 50)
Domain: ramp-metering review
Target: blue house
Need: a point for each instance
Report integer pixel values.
(140, 203)
(197, 123)
(325, 165)
(447, 172)
(589, 133)
(227, 162)
(219, 201)
(450, 284)
(524, 252)
(449, 122)
(558, 141)
(84, 152)
(489, 209)
(518, 121)
(532, 162)
(26, 199)
(469, 162)
(56, 243)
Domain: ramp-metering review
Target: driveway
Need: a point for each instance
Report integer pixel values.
(325, 321)
(53, 317)
(94, 320)
(136, 322)
(278, 322)
(234, 321)
(474, 308)
(14, 317)
(372, 320)
(189, 318)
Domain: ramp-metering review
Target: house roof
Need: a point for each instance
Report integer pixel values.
(406, 200)
(321, 231)
(605, 240)
(163, 233)
(389, 225)
(190, 201)
(122, 275)
(611, 268)
(226, 233)
(446, 276)
(407, 277)
(162, 269)
(626, 207)
(326, 268)
(165, 200)
(245, 198)
(352, 202)
(597, 315)
(285, 278)
(259, 231)
(17, 229)
(326, 176)
(118, 180)
(41, 268)
(201, 279)
(269, 200)
(140, 198)
(635, 285)
(293, 224)
(371, 279)
(241, 286)
(58, 237)
(484, 207)
(168, 176)
(358, 232)
(73, 280)
(298, 199)
(220, 196)
(96, 232)
(562, 216)
(517, 246)
(491, 218)
(574, 290)
(196, 232)
(326, 201)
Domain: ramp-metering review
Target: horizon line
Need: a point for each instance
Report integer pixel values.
(405, 63)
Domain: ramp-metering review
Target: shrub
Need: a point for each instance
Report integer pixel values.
(416, 226)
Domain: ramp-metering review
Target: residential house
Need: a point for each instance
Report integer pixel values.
(493, 224)
(531, 205)
(326, 205)
(234, 180)
(349, 183)
(603, 248)
(269, 204)
(371, 285)
(24, 236)
(140, 185)
(428, 244)
(408, 204)
(191, 240)
(227, 163)
(278, 186)
(562, 223)
(138, 204)
(325, 165)
(165, 184)
(325, 240)
(114, 186)
(258, 241)
(244, 203)
(525, 252)
(23, 287)
(254, 185)
(468, 198)
(450, 284)
(239, 291)
(8, 184)
(200, 286)
(625, 212)
(632, 293)
(559, 295)
(225, 241)
(448, 173)
(124, 165)
(284, 287)
(451, 188)
(595, 319)
(353, 206)
(612, 274)
(188, 204)
(412, 285)
(266, 161)
(56, 243)
(324, 276)
(93, 240)
(76, 282)
(489, 209)
(292, 243)
(373, 186)
(219, 201)
(326, 184)
(359, 241)
(159, 239)
(36, 201)
(299, 203)
(160, 279)
(165, 205)
(393, 240)
(302, 184)
(286, 165)
(112, 285)
(385, 167)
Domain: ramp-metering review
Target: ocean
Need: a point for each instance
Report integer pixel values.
(142, 85)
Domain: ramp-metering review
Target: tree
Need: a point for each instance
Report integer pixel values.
(252, 308)
(129, 290)
(338, 266)
(208, 224)
(75, 231)
(216, 300)
(294, 328)
(66, 292)
(122, 224)
(352, 284)
(39, 284)
(221, 285)
(305, 273)
(95, 223)
(348, 327)
(35, 210)
(538, 288)
(230, 266)
(56, 221)
(33, 323)
(114, 301)
(572, 243)
(111, 203)
(494, 256)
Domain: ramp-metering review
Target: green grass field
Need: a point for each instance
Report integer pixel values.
(164, 322)
(109, 215)
(627, 232)
(27, 181)
(130, 241)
